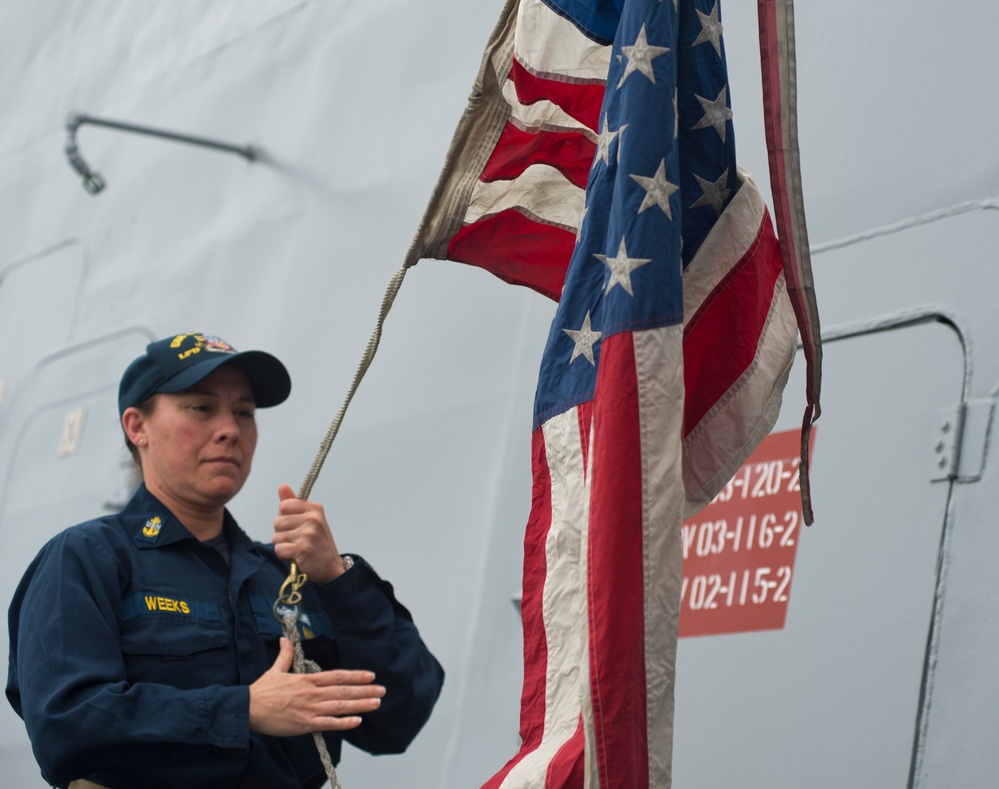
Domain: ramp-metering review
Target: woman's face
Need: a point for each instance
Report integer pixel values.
(197, 445)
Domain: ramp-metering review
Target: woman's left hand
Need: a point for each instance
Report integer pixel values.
(301, 534)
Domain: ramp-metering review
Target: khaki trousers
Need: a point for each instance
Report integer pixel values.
(83, 783)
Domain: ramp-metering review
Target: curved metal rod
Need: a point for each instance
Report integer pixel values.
(94, 182)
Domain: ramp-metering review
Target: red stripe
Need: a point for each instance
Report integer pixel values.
(567, 769)
(516, 249)
(783, 154)
(579, 101)
(615, 573)
(568, 152)
(720, 340)
(770, 64)
(584, 413)
(532, 700)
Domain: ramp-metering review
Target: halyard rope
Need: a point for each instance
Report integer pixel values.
(289, 594)
(369, 353)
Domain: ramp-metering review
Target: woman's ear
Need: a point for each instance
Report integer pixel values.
(134, 423)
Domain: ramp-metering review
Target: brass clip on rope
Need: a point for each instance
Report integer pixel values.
(290, 594)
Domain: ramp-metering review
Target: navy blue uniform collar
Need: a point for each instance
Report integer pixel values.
(151, 524)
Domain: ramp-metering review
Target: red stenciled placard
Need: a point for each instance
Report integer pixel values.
(738, 552)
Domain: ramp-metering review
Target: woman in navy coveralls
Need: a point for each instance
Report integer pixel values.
(143, 650)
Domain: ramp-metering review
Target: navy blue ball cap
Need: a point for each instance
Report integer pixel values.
(179, 362)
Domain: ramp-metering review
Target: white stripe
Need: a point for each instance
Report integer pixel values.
(541, 191)
(725, 245)
(542, 115)
(547, 43)
(563, 600)
(659, 366)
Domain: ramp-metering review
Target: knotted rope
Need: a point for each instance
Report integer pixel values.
(301, 665)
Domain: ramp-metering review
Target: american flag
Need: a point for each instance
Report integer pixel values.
(599, 138)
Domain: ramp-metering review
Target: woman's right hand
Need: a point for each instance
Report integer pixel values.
(284, 704)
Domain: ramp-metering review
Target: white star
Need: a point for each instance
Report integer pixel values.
(716, 114)
(715, 194)
(657, 190)
(621, 268)
(585, 339)
(604, 141)
(640, 56)
(711, 30)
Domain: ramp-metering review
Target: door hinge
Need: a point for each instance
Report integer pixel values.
(960, 441)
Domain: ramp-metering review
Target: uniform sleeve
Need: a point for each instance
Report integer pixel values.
(66, 677)
(375, 632)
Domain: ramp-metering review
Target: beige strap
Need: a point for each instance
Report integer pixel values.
(83, 783)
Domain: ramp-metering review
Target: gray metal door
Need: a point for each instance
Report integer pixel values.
(833, 698)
